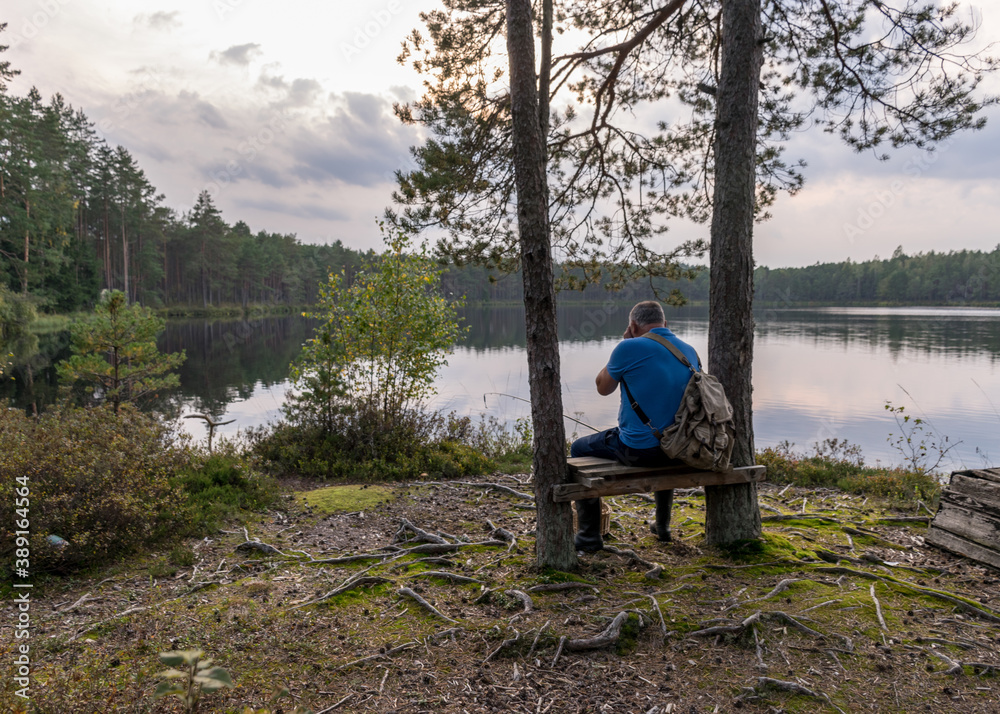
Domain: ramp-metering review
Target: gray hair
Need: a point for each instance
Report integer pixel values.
(648, 312)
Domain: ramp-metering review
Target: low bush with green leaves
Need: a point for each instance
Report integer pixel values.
(837, 464)
(219, 487)
(100, 482)
(102, 485)
(357, 449)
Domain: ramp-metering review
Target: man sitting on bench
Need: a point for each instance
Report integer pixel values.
(656, 380)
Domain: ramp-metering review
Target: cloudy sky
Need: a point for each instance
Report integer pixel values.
(285, 115)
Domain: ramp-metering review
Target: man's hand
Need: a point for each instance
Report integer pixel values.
(628, 332)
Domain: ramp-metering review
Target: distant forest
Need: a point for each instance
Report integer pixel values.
(78, 216)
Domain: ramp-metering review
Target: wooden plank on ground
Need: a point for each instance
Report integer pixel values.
(968, 519)
(957, 544)
(971, 524)
(592, 487)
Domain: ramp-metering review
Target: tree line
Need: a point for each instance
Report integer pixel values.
(78, 215)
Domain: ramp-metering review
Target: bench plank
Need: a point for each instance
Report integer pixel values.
(592, 477)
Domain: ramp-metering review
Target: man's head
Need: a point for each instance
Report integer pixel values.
(645, 316)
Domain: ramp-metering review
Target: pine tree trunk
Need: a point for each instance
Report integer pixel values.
(732, 512)
(27, 246)
(554, 531)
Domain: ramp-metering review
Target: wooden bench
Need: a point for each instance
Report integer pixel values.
(590, 477)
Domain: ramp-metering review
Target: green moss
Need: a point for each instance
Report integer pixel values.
(347, 498)
(551, 575)
(628, 640)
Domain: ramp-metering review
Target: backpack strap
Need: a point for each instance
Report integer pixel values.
(673, 349)
(638, 410)
(628, 392)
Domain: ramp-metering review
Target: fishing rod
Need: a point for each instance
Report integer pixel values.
(522, 399)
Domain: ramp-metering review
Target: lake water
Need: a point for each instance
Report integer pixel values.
(818, 373)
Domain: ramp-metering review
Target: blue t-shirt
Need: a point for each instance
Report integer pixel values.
(656, 379)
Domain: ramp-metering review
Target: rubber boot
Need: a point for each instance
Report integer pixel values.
(588, 517)
(661, 528)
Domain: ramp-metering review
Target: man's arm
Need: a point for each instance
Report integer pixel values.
(606, 384)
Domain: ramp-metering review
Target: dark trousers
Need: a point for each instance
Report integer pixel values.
(607, 445)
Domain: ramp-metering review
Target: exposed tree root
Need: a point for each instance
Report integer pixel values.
(799, 517)
(447, 576)
(256, 546)
(380, 655)
(608, 636)
(556, 587)
(889, 580)
(737, 628)
(424, 604)
(419, 534)
(438, 548)
(524, 598)
(794, 688)
(653, 570)
(349, 585)
(779, 588)
(349, 559)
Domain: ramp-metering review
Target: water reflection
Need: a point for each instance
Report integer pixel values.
(818, 373)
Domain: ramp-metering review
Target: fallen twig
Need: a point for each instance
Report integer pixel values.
(878, 608)
(535, 641)
(506, 643)
(889, 580)
(559, 649)
(130, 611)
(379, 655)
(77, 603)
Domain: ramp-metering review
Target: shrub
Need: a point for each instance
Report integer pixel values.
(837, 464)
(217, 487)
(98, 481)
(356, 449)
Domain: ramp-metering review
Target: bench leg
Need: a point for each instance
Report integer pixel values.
(664, 503)
(588, 516)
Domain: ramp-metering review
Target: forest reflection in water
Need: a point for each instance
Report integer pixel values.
(818, 373)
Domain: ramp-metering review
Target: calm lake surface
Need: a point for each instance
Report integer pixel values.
(818, 373)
